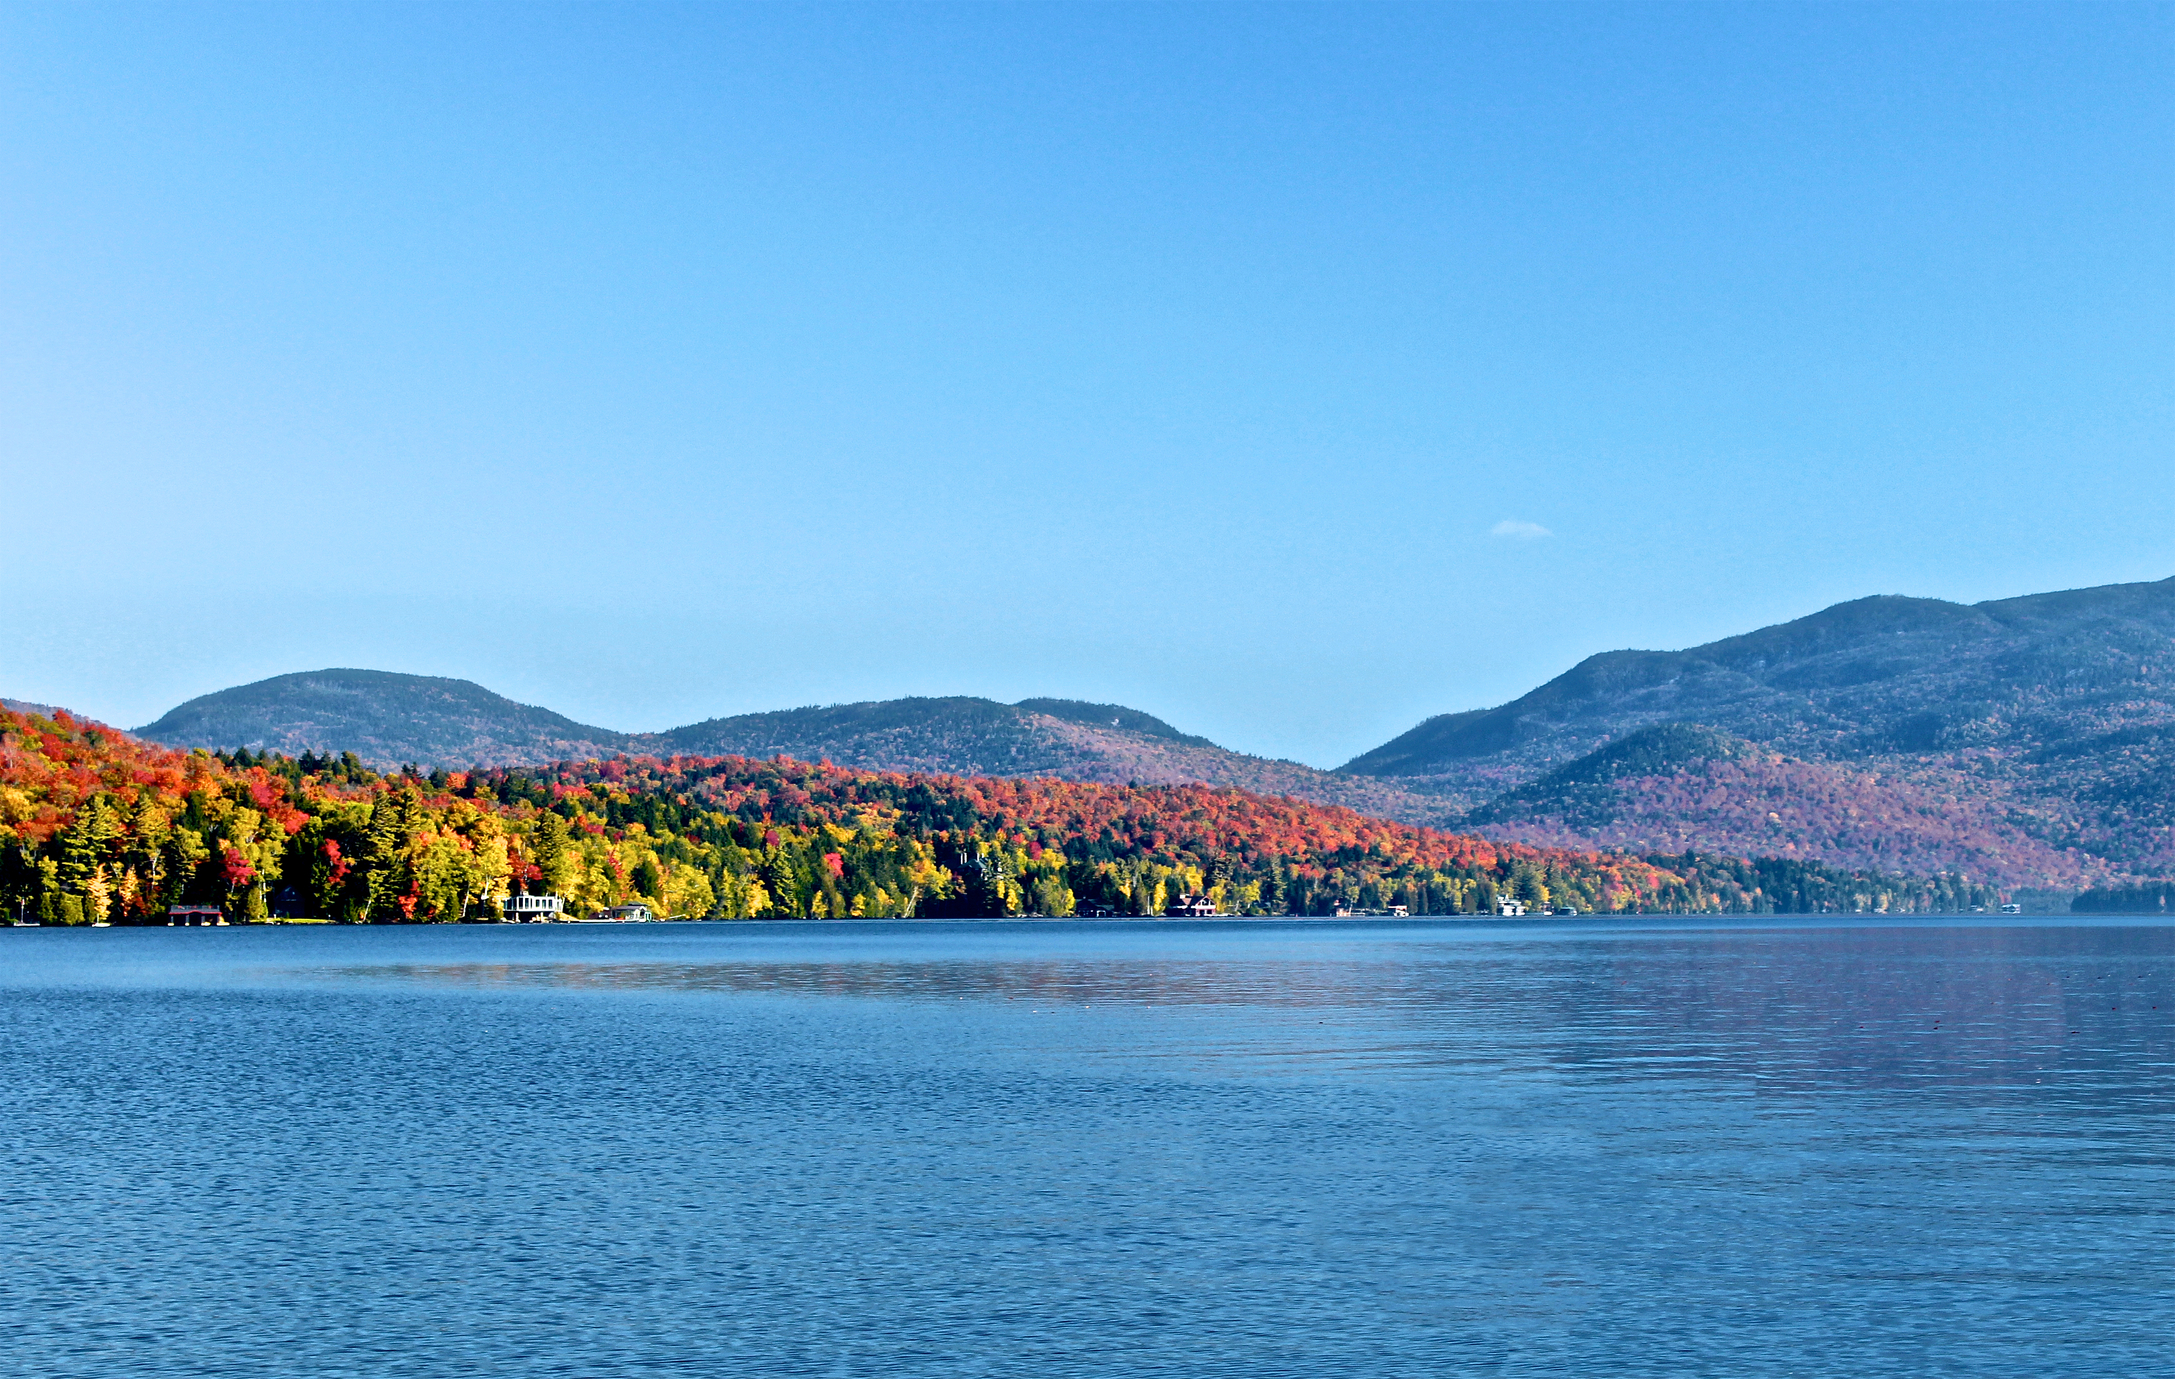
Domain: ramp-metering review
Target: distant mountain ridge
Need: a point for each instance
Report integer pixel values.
(1678, 787)
(2030, 741)
(388, 719)
(1881, 673)
(383, 717)
(2031, 738)
(961, 735)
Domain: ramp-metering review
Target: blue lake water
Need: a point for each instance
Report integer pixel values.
(1275, 1148)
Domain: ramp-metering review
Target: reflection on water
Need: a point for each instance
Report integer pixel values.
(1072, 1149)
(1919, 1006)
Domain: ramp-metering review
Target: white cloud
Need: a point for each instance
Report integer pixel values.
(1519, 531)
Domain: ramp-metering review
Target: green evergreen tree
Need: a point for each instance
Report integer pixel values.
(379, 865)
(784, 887)
(87, 843)
(551, 853)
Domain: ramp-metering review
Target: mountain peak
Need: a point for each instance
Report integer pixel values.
(1110, 716)
(1968, 706)
(382, 716)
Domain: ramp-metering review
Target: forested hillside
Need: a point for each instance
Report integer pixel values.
(97, 827)
(2031, 739)
(385, 719)
(389, 720)
(959, 734)
(1678, 786)
(2030, 742)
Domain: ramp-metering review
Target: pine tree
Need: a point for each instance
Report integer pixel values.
(779, 880)
(648, 880)
(380, 864)
(549, 853)
(86, 844)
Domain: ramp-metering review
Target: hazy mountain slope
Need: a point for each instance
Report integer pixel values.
(1677, 787)
(1112, 716)
(384, 718)
(1875, 674)
(2048, 721)
(1115, 757)
(2029, 741)
(1101, 743)
(387, 719)
(961, 735)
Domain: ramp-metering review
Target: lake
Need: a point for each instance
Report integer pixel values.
(1379, 1148)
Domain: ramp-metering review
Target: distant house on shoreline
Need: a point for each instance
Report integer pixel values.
(195, 914)
(533, 909)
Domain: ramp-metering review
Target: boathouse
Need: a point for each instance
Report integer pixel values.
(533, 909)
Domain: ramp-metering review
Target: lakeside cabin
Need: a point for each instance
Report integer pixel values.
(533, 909)
(195, 914)
(1508, 908)
(1191, 905)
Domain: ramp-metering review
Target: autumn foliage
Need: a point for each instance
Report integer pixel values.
(96, 826)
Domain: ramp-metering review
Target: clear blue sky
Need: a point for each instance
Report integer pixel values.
(654, 363)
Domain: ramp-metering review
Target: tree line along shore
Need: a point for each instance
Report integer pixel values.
(98, 827)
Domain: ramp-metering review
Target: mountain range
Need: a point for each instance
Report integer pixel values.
(388, 719)
(2028, 738)
(2029, 741)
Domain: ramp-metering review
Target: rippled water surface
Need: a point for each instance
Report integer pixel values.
(1046, 1149)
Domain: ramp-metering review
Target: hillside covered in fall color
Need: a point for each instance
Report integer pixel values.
(390, 720)
(1677, 786)
(97, 827)
(2027, 740)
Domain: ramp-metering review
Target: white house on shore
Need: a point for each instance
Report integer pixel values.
(533, 909)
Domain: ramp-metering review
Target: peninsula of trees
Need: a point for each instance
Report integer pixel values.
(98, 827)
